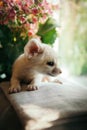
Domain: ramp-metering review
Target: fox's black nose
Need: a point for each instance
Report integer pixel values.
(56, 71)
(60, 71)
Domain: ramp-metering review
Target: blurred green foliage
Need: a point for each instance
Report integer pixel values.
(73, 41)
(48, 31)
(11, 45)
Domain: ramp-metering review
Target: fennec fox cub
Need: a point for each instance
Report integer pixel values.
(37, 60)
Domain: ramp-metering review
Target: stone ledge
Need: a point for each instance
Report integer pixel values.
(51, 107)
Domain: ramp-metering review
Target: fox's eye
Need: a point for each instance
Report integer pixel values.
(50, 63)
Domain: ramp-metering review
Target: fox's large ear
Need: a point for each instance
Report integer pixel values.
(33, 48)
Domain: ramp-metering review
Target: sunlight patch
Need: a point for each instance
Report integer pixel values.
(39, 118)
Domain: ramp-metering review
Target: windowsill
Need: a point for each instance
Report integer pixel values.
(50, 106)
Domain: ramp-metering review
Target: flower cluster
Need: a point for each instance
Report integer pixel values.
(24, 14)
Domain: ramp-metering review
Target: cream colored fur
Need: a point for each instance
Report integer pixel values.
(32, 65)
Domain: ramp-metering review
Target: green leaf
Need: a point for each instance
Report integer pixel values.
(5, 35)
(49, 37)
(49, 25)
(2, 55)
(47, 31)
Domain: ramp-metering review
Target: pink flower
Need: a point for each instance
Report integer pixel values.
(46, 7)
(22, 19)
(25, 14)
(30, 33)
(34, 11)
(34, 27)
(11, 14)
(43, 19)
(27, 25)
(34, 19)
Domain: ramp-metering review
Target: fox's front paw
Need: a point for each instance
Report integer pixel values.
(32, 87)
(14, 89)
(57, 81)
